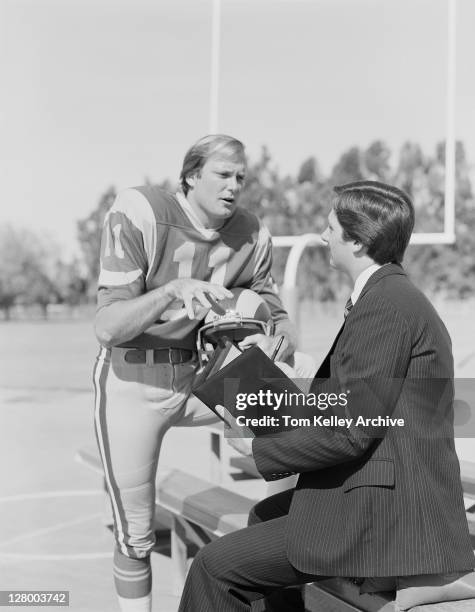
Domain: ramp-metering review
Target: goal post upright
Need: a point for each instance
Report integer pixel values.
(214, 67)
(449, 200)
(298, 244)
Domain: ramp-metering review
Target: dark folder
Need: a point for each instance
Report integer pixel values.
(251, 372)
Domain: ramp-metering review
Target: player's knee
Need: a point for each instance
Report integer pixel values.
(134, 547)
(133, 544)
(197, 414)
(134, 520)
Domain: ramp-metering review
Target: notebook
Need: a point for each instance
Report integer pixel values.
(232, 380)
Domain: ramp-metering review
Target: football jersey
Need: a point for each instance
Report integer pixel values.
(151, 237)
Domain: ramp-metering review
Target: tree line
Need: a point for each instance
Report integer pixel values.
(32, 275)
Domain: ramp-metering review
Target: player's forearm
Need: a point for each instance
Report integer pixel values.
(126, 319)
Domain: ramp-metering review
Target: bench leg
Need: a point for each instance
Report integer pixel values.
(179, 551)
(216, 469)
(220, 456)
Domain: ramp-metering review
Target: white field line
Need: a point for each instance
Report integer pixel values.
(44, 530)
(7, 556)
(51, 494)
(59, 557)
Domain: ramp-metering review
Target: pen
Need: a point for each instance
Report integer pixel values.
(277, 347)
(217, 308)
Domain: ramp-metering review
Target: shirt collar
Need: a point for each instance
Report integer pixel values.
(193, 217)
(362, 279)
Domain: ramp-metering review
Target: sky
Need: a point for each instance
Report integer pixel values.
(97, 93)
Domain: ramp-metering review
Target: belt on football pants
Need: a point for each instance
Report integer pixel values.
(154, 356)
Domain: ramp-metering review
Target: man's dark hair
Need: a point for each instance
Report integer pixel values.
(201, 151)
(378, 216)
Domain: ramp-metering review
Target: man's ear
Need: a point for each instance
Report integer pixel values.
(191, 179)
(359, 250)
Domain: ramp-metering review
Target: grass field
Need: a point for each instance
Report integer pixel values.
(51, 535)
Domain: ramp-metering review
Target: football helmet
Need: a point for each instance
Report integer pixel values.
(234, 318)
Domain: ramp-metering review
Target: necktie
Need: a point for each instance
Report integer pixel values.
(348, 307)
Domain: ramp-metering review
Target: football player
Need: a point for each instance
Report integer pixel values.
(165, 259)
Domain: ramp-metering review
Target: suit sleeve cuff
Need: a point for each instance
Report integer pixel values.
(265, 466)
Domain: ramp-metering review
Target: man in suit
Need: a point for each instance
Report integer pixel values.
(374, 498)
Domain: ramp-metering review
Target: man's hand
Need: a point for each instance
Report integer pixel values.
(190, 290)
(268, 344)
(240, 438)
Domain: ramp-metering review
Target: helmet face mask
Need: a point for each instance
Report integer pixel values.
(233, 319)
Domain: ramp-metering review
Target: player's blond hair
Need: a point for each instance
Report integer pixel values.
(199, 153)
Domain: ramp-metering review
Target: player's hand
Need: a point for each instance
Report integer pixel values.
(195, 294)
(240, 438)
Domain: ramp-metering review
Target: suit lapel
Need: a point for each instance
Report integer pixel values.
(324, 369)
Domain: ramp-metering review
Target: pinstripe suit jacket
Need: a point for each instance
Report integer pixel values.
(376, 500)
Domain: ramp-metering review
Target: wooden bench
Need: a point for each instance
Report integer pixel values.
(340, 595)
(467, 472)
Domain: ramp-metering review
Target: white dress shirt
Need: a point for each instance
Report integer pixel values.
(362, 280)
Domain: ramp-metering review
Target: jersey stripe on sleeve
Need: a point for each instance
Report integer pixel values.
(128, 247)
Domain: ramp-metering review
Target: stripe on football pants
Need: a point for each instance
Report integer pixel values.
(101, 371)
